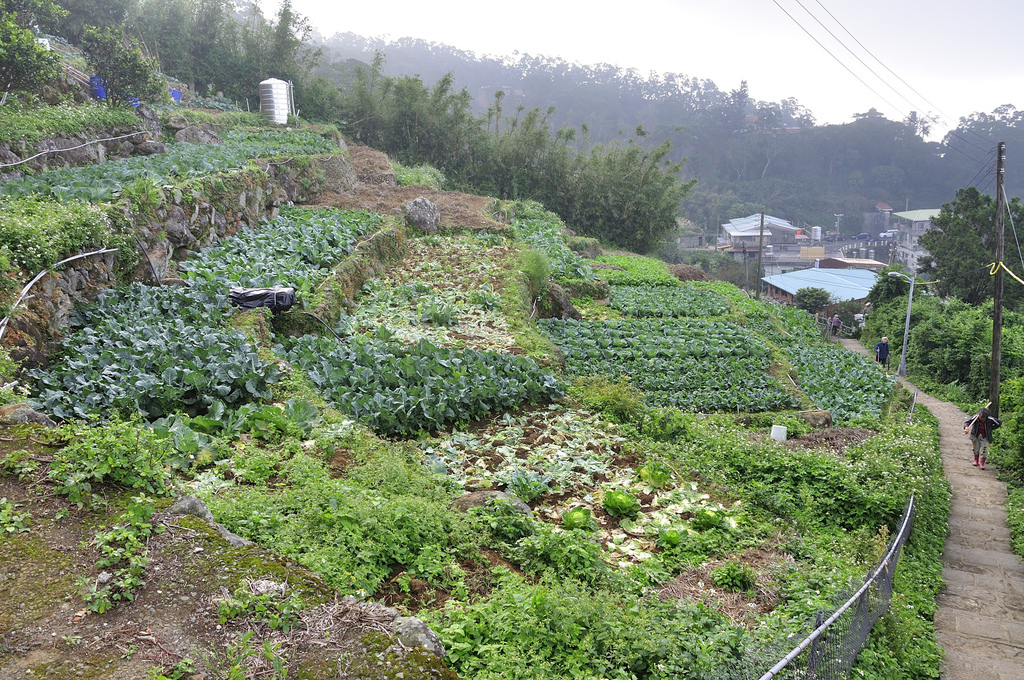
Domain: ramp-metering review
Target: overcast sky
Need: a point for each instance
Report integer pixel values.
(960, 57)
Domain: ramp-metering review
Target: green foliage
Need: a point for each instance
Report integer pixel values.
(29, 121)
(536, 269)
(104, 182)
(888, 288)
(666, 301)
(353, 531)
(543, 231)
(405, 390)
(298, 249)
(569, 554)
(25, 64)
(277, 611)
(561, 629)
(123, 550)
(19, 463)
(699, 365)
(126, 454)
(960, 246)
(118, 60)
(733, 576)
(620, 503)
(1015, 517)
(812, 299)
(862, 391)
(618, 400)
(503, 521)
(153, 351)
(36, 233)
(528, 486)
(655, 474)
(420, 175)
(12, 521)
(636, 271)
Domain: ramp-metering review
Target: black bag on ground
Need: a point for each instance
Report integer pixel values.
(277, 299)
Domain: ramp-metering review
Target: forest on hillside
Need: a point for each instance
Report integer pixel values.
(747, 155)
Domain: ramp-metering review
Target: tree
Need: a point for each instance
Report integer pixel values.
(126, 73)
(961, 245)
(812, 299)
(888, 288)
(81, 13)
(24, 63)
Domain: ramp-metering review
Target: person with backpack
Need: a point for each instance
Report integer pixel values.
(980, 428)
(837, 325)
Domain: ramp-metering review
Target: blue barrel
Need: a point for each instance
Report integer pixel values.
(175, 95)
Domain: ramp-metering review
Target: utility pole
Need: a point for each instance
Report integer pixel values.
(760, 249)
(997, 294)
(746, 269)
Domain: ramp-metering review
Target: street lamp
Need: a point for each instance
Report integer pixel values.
(906, 329)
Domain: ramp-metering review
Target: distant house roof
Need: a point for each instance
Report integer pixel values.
(842, 284)
(883, 207)
(751, 224)
(850, 263)
(919, 215)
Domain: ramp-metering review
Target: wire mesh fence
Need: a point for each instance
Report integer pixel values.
(828, 652)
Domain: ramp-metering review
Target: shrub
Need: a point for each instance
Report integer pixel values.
(733, 576)
(570, 554)
(504, 522)
(619, 400)
(37, 233)
(536, 268)
(420, 175)
(128, 454)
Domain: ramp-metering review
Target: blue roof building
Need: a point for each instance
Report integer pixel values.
(841, 284)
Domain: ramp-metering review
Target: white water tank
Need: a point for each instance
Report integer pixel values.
(815, 233)
(275, 100)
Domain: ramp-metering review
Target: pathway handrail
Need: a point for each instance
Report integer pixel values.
(897, 543)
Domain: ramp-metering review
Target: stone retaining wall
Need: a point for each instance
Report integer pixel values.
(193, 216)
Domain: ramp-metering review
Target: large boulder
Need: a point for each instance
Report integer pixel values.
(18, 414)
(198, 135)
(476, 499)
(191, 505)
(412, 632)
(555, 304)
(422, 215)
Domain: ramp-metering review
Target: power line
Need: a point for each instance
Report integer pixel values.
(861, 80)
(829, 52)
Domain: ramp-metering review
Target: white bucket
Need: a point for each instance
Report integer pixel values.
(779, 433)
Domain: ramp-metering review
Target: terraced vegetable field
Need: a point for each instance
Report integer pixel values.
(849, 385)
(104, 182)
(694, 365)
(667, 301)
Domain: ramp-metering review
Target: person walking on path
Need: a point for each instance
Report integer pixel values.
(882, 353)
(980, 428)
(837, 325)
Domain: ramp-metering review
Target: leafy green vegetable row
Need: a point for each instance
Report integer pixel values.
(636, 271)
(297, 249)
(700, 365)
(542, 229)
(104, 182)
(847, 384)
(667, 301)
(398, 390)
(154, 351)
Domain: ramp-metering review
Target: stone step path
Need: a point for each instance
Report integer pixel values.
(980, 618)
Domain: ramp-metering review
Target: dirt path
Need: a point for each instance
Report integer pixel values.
(980, 620)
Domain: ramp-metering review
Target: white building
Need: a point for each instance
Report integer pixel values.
(912, 223)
